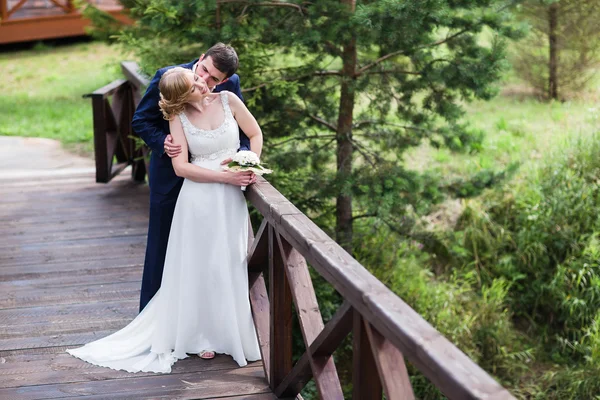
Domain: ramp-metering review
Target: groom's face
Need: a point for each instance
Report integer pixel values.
(207, 71)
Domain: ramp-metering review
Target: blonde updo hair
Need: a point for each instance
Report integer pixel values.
(175, 89)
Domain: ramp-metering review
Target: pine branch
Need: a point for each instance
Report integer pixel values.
(333, 49)
(434, 44)
(330, 137)
(404, 52)
(323, 122)
(365, 153)
(293, 78)
(393, 71)
(360, 124)
(301, 9)
(367, 215)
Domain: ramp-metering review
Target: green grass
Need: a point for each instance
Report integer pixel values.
(42, 91)
(519, 128)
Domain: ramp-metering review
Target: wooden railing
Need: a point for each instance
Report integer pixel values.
(7, 8)
(28, 20)
(114, 141)
(385, 330)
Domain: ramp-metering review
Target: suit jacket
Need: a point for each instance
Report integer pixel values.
(149, 124)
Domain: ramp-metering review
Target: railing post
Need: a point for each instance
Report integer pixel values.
(100, 138)
(3, 10)
(280, 298)
(365, 379)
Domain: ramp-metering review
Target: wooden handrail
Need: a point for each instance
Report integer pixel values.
(385, 329)
(113, 135)
(388, 317)
(133, 74)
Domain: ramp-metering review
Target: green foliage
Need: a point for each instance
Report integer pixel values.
(541, 239)
(479, 323)
(105, 26)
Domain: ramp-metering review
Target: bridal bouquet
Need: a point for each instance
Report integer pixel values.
(246, 160)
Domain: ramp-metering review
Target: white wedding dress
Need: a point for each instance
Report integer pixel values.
(203, 301)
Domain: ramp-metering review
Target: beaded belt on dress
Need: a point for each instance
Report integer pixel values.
(213, 156)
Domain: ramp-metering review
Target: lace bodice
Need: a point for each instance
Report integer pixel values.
(216, 143)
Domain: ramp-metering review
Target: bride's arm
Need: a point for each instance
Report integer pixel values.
(185, 169)
(247, 123)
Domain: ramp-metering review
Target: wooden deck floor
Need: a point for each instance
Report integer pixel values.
(71, 254)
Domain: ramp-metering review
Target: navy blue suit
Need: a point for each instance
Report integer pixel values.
(149, 124)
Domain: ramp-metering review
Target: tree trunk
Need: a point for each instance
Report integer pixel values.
(343, 227)
(553, 44)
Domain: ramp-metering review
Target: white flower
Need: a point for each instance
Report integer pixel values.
(246, 161)
(246, 158)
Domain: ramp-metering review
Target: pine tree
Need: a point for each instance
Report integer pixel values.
(342, 88)
(562, 51)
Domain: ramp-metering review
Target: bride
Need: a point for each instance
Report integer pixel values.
(202, 306)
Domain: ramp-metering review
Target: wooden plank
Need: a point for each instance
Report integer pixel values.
(72, 294)
(3, 10)
(99, 204)
(21, 334)
(100, 140)
(271, 204)
(280, 299)
(44, 369)
(73, 222)
(258, 256)
(46, 179)
(62, 195)
(160, 394)
(365, 380)
(14, 8)
(110, 276)
(390, 366)
(133, 74)
(50, 342)
(311, 322)
(57, 185)
(321, 349)
(77, 219)
(108, 249)
(108, 90)
(63, 315)
(86, 267)
(18, 236)
(259, 302)
(303, 291)
(206, 385)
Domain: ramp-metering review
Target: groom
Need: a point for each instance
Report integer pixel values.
(217, 67)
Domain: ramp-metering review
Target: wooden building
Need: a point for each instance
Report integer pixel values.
(26, 20)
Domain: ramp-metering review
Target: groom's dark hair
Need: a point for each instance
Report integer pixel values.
(224, 58)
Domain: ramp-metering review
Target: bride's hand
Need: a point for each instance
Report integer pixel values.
(243, 178)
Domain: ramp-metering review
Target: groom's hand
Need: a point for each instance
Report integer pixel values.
(172, 150)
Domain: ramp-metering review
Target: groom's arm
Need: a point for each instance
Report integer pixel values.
(148, 119)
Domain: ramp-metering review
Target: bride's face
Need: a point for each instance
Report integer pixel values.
(199, 87)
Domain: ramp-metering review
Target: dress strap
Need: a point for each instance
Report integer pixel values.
(225, 100)
(185, 122)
